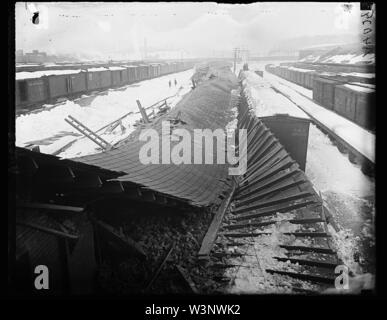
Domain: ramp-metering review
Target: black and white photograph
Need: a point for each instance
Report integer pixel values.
(192, 148)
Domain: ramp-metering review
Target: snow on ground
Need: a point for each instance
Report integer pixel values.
(249, 275)
(48, 129)
(361, 139)
(348, 195)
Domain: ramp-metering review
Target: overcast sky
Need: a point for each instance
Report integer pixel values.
(197, 28)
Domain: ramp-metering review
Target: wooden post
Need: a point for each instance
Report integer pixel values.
(143, 113)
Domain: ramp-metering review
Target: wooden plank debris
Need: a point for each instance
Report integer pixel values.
(142, 111)
(48, 230)
(159, 268)
(48, 206)
(212, 231)
(187, 278)
(129, 243)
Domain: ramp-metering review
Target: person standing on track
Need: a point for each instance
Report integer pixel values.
(175, 82)
(169, 83)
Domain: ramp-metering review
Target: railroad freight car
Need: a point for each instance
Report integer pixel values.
(31, 91)
(94, 78)
(154, 70)
(356, 103)
(117, 75)
(105, 78)
(132, 73)
(143, 71)
(78, 82)
(324, 92)
(59, 85)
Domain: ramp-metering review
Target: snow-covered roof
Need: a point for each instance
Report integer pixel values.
(27, 65)
(38, 74)
(354, 86)
(97, 69)
(359, 74)
(266, 100)
(299, 69)
(116, 68)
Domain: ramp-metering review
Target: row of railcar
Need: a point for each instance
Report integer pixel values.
(352, 96)
(43, 87)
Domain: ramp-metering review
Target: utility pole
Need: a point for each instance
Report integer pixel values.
(236, 51)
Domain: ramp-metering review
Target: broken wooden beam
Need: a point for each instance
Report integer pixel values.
(48, 230)
(187, 278)
(309, 249)
(127, 242)
(142, 111)
(312, 263)
(267, 223)
(160, 267)
(274, 210)
(210, 237)
(48, 206)
(303, 276)
(272, 202)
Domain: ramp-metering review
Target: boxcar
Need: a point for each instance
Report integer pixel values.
(78, 82)
(324, 91)
(365, 109)
(345, 102)
(93, 80)
(117, 75)
(143, 71)
(32, 90)
(59, 85)
(152, 70)
(106, 79)
(131, 71)
(363, 98)
(124, 76)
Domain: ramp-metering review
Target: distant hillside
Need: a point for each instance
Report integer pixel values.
(300, 43)
(349, 54)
